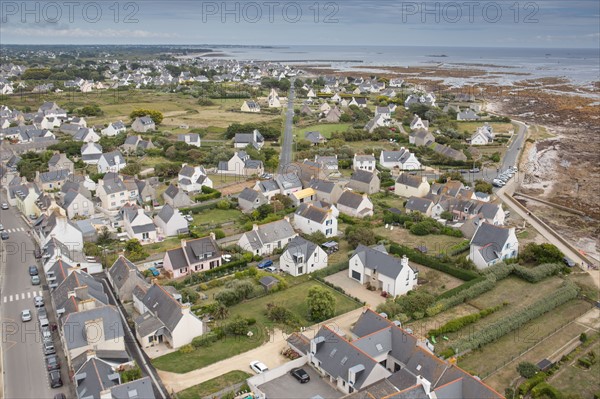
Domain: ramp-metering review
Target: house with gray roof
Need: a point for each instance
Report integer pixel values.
(250, 106)
(137, 389)
(192, 139)
(76, 292)
(408, 185)
(310, 219)
(354, 204)
(269, 188)
(264, 239)
(52, 180)
(87, 135)
(422, 205)
(492, 244)
(113, 193)
(449, 152)
(364, 162)
(77, 205)
(384, 272)
(124, 276)
(302, 257)
(326, 190)
(328, 164)
(176, 197)
(243, 140)
(164, 319)
(137, 224)
(288, 183)
(91, 153)
(192, 178)
(402, 159)
(143, 124)
(421, 137)
(105, 321)
(315, 138)
(113, 129)
(60, 162)
(170, 222)
(111, 162)
(133, 144)
(249, 200)
(467, 115)
(364, 181)
(196, 255)
(94, 378)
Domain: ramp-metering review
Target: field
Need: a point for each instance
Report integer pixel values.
(213, 386)
(471, 127)
(294, 299)
(435, 243)
(325, 128)
(571, 378)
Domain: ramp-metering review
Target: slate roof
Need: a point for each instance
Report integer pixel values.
(311, 212)
(147, 324)
(301, 246)
(248, 194)
(268, 185)
(409, 180)
(288, 181)
(54, 176)
(362, 176)
(350, 199)
(396, 156)
(171, 191)
(368, 323)
(119, 271)
(268, 281)
(314, 137)
(418, 204)
(94, 377)
(111, 156)
(166, 213)
(269, 233)
(137, 389)
(74, 281)
(491, 239)
(164, 306)
(69, 198)
(194, 251)
(74, 325)
(385, 264)
(324, 186)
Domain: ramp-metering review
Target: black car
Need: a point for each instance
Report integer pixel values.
(300, 375)
(4, 235)
(52, 363)
(33, 270)
(55, 380)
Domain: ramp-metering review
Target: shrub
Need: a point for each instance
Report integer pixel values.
(471, 292)
(527, 369)
(460, 322)
(446, 353)
(538, 273)
(459, 248)
(545, 390)
(528, 385)
(223, 204)
(186, 349)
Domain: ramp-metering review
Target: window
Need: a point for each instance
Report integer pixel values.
(300, 270)
(85, 204)
(75, 206)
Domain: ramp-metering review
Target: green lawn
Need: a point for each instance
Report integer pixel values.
(177, 362)
(217, 216)
(294, 299)
(325, 128)
(213, 386)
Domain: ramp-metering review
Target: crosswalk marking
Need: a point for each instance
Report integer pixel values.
(21, 296)
(15, 230)
(28, 295)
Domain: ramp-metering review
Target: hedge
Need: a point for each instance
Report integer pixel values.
(222, 270)
(513, 321)
(459, 248)
(199, 208)
(331, 269)
(420, 258)
(545, 390)
(462, 296)
(528, 385)
(499, 270)
(462, 287)
(538, 273)
(460, 322)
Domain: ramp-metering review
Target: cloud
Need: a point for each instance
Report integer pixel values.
(87, 33)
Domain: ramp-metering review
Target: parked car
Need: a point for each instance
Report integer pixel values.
(55, 380)
(300, 375)
(189, 218)
(52, 363)
(33, 270)
(258, 367)
(48, 347)
(38, 301)
(568, 261)
(474, 170)
(4, 205)
(265, 263)
(26, 315)
(4, 235)
(35, 280)
(226, 258)
(271, 269)
(37, 253)
(42, 313)
(159, 264)
(154, 271)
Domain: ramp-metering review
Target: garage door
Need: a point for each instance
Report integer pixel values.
(355, 275)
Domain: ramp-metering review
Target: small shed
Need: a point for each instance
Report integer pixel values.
(545, 364)
(268, 282)
(330, 247)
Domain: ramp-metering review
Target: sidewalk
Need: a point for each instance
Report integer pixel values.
(269, 353)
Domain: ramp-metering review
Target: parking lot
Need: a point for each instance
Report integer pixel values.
(287, 387)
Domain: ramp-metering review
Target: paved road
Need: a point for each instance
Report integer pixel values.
(286, 156)
(25, 374)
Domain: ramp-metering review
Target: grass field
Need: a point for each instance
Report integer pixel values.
(325, 128)
(571, 378)
(485, 360)
(435, 243)
(177, 362)
(213, 386)
(294, 299)
(471, 127)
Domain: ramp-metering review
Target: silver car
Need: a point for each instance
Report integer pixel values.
(26, 315)
(38, 301)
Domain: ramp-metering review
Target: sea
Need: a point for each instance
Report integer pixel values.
(579, 66)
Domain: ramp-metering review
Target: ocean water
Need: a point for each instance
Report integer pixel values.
(580, 66)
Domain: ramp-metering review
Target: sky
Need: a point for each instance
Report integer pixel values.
(462, 23)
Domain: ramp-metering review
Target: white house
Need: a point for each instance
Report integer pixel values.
(192, 178)
(143, 124)
(302, 257)
(240, 164)
(91, 153)
(484, 135)
(243, 140)
(113, 129)
(355, 205)
(492, 244)
(309, 219)
(87, 135)
(170, 221)
(411, 186)
(273, 99)
(137, 224)
(164, 319)
(57, 224)
(190, 139)
(77, 205)
(403, 160)
(364, 162)
(264, 239)
(111, 162)
(113, 193)
(250, 106)
(384, 272)
(249, 199)
(417, 123)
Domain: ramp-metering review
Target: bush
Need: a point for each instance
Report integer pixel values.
(459, 248)
(546, 391)
(538, 273)
(462, 287)
(541, 253)
(471, 292)
(528, 385)
(447, 353)
(527, 369)
(223, 204)
(186, 349)
(460, 322)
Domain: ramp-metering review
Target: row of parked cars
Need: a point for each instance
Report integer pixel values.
(504, 177)
(52, 360)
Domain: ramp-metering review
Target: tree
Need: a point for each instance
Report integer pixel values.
(156, 116)
(360, 234)
(483, 186)
(541, 253)
(527, 369)
(446, 215)
(223, 204)
(104, 237)
(221, 311)
(131, 375)
(134, 251)
(321, 304)
(317, 237)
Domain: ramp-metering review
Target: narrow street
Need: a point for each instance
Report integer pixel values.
(286, 156)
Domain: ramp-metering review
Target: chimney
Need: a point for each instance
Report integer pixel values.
(81, 292)
(286, 217)
(37, 175)
(404, 261)
(254, 227)
(424, 383)
(212, 235)
(90, 354)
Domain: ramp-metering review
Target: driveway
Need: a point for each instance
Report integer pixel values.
(354, 288)
(287, 387)
(268, 353)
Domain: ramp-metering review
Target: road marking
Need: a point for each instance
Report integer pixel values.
(28, 295)
(5, 299)
(23, 296)
(11, 298)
